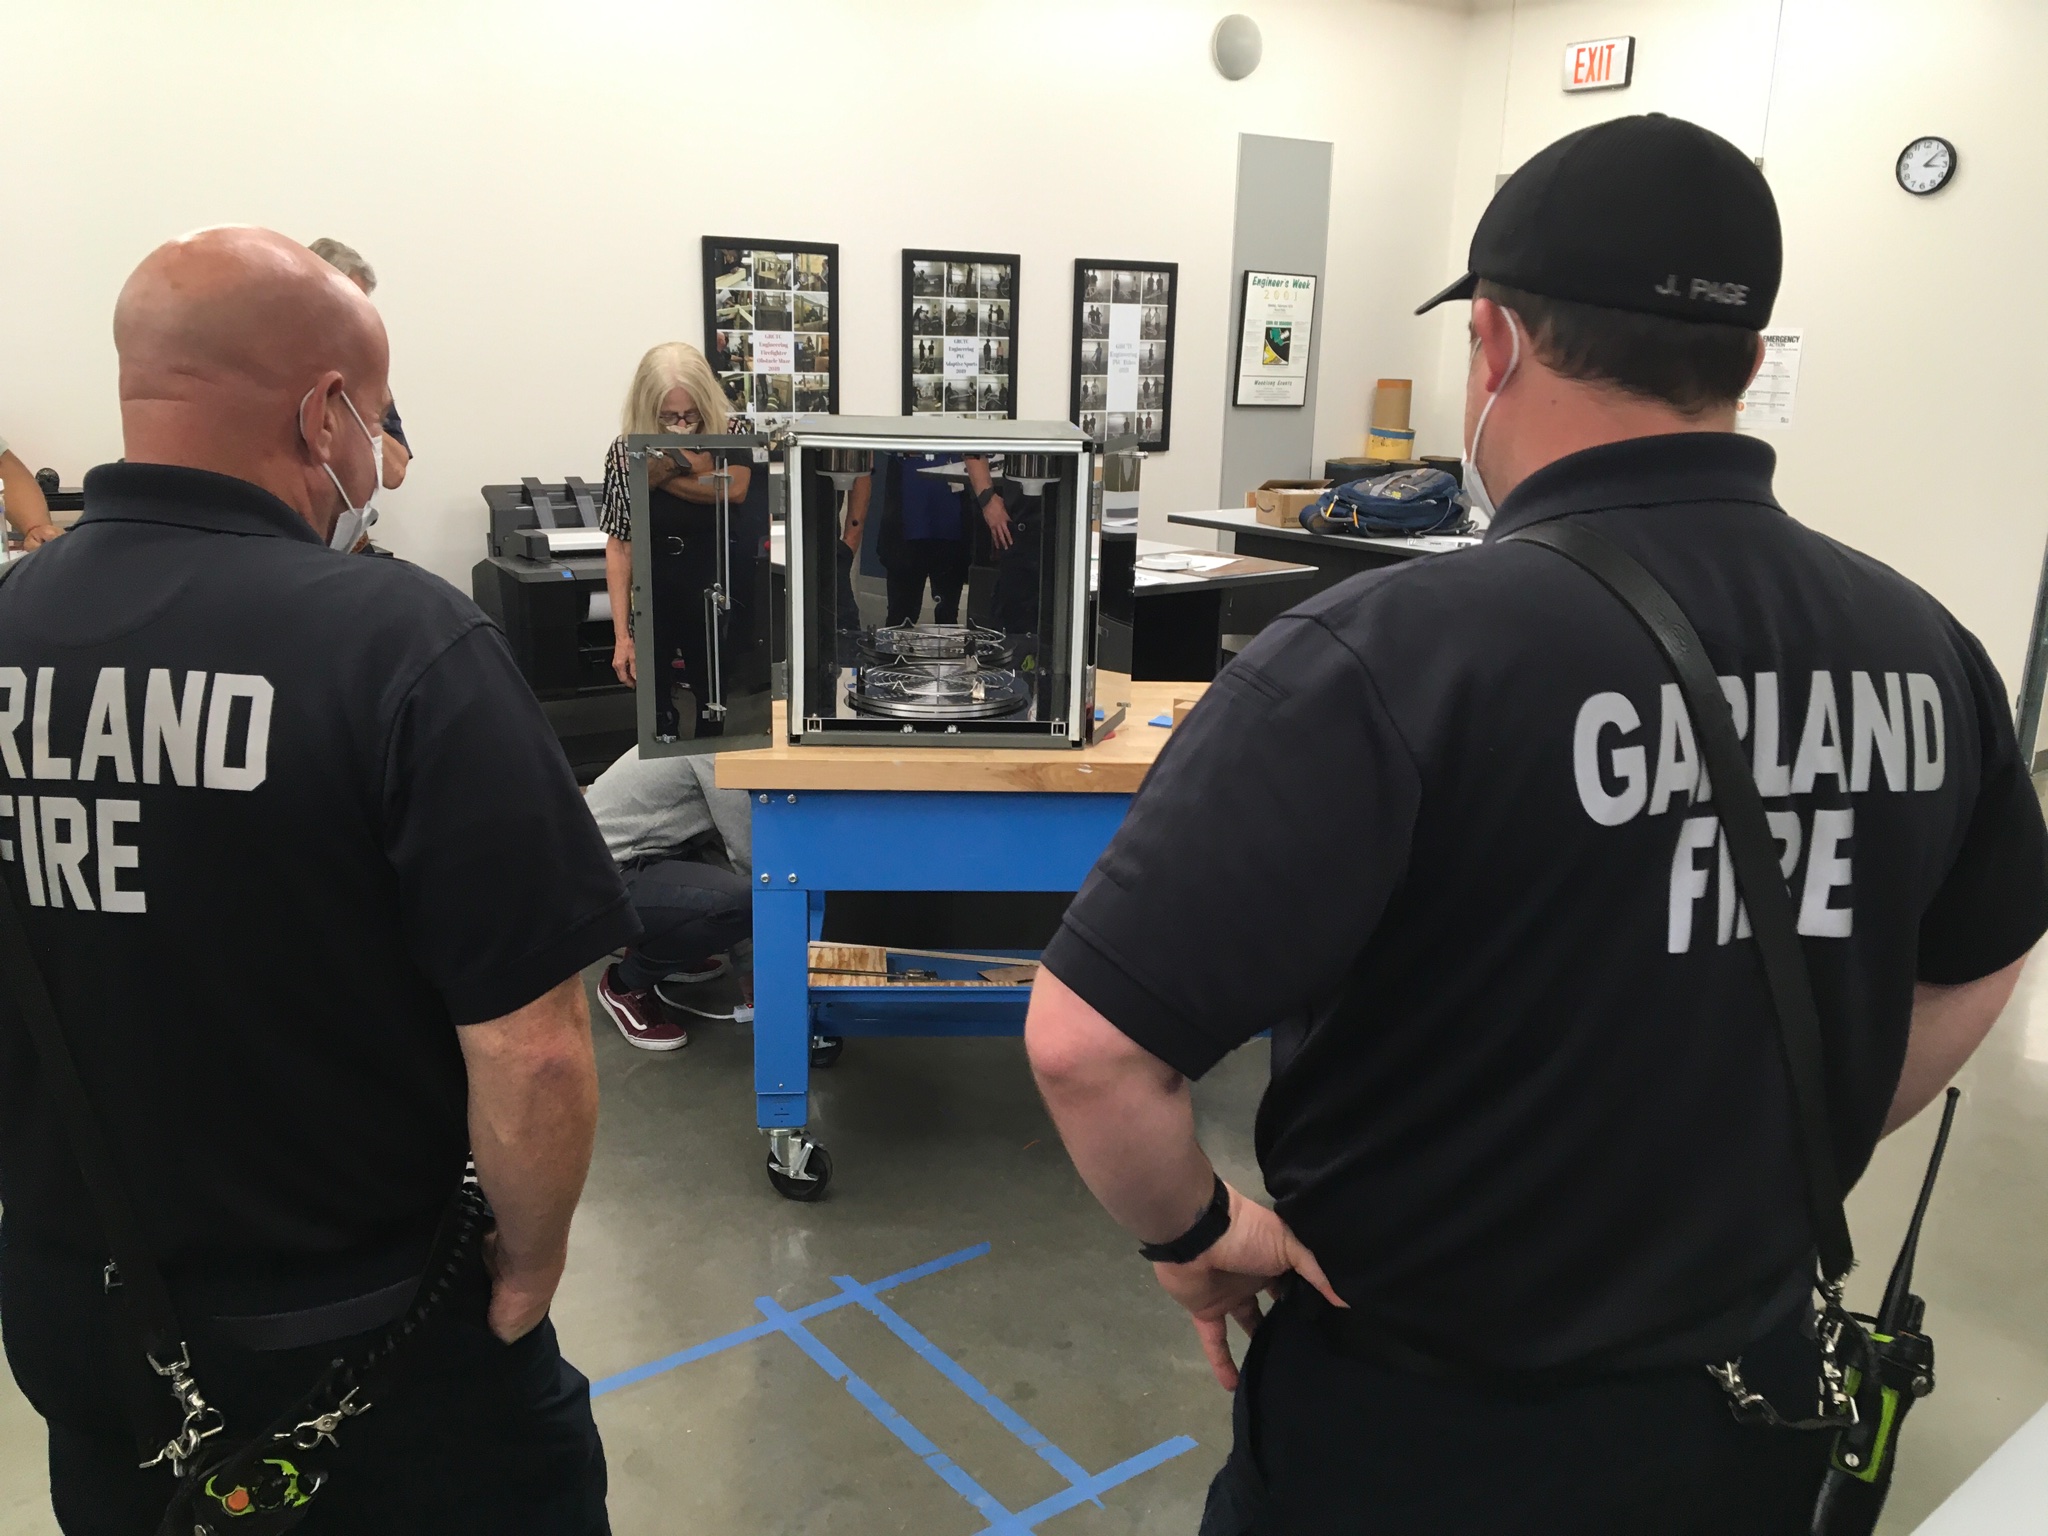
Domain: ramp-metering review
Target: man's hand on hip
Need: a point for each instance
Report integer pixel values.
(520, 1293)
(532, 1123)
(1128, 1121)
(1253, 1255)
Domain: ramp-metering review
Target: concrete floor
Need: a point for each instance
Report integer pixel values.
(940, 1146)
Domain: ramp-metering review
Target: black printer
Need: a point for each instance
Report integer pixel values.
(543, 583)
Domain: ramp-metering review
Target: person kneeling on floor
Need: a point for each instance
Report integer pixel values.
(685, 848)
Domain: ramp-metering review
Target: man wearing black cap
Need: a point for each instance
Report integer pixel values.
(1530, 1128)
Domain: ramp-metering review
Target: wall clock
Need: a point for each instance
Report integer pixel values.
(1926, 165)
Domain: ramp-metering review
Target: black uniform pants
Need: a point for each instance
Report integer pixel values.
(470, 1437)
(1017, 585)
(688, 912)
(914, 561)
(1327, 1442)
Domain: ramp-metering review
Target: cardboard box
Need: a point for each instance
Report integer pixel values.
(1278, 503)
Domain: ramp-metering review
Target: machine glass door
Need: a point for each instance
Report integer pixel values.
(969, 637)
(702, 585)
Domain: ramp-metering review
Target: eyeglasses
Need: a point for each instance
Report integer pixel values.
(687, 419)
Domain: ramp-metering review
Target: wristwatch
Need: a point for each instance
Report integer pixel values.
(983, 497)
(1198, 1239)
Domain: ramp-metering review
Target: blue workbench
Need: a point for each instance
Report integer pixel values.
(932, 819)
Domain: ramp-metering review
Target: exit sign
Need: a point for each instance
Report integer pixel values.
(1605, 64)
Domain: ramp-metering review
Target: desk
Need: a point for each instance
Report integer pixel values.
(1336, 556)
(2004, 1496)
(934, 819)
(1181, 616)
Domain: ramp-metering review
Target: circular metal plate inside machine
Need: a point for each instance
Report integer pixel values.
(935, 642)
(915, 693)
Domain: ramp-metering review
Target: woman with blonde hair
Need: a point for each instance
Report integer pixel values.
(674, 391)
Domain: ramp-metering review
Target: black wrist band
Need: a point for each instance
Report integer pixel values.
(983, 497)
(1199, 1238)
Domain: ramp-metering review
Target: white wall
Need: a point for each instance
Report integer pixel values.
(531, 180)
(1922, 338)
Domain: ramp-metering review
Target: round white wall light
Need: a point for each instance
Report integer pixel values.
(1236, 47)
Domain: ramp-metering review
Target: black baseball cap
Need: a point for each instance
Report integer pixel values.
(1651, 214)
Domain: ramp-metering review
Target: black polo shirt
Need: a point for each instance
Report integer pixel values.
(281, 820)
(1441, 829)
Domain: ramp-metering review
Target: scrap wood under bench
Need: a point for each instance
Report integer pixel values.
(867, 965)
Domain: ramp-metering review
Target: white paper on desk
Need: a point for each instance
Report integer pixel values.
(1436, 543)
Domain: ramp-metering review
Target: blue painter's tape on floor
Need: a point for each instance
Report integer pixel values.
(1083, 1486)
(1026, 1520)
(950, 1471)
(946, 1366)
(709, 1347)
(725, 1341)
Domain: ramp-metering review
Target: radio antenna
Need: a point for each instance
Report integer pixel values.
(1892, 1316)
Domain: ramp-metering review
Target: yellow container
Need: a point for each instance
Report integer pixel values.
(1387, 443)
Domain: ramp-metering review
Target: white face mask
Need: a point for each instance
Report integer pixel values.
(354, 521)
(1475, 483)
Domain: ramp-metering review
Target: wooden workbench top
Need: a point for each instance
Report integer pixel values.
(1113, 767)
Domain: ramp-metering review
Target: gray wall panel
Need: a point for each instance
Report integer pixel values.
(1283, 225)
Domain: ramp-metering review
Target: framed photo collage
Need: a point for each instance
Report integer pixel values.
(771, 316)
(771, 311)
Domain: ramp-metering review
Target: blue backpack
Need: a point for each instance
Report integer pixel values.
(1403, 504)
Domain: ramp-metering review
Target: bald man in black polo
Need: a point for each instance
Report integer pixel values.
(311, 887)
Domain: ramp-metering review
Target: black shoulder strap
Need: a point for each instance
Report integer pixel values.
(1753, 850)
(149, 1299)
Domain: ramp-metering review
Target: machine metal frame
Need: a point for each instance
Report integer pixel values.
(725, 448)
(927, 434)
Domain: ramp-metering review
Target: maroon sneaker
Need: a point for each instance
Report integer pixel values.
(707, 970)
(639, 1016)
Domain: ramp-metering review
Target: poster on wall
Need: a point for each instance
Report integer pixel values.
(1273, 343)
(1768, 401)
(1123, 350)
(771, 318)
(959, 334)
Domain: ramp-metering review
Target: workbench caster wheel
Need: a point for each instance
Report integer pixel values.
(811, 1183)
(826, 1050)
